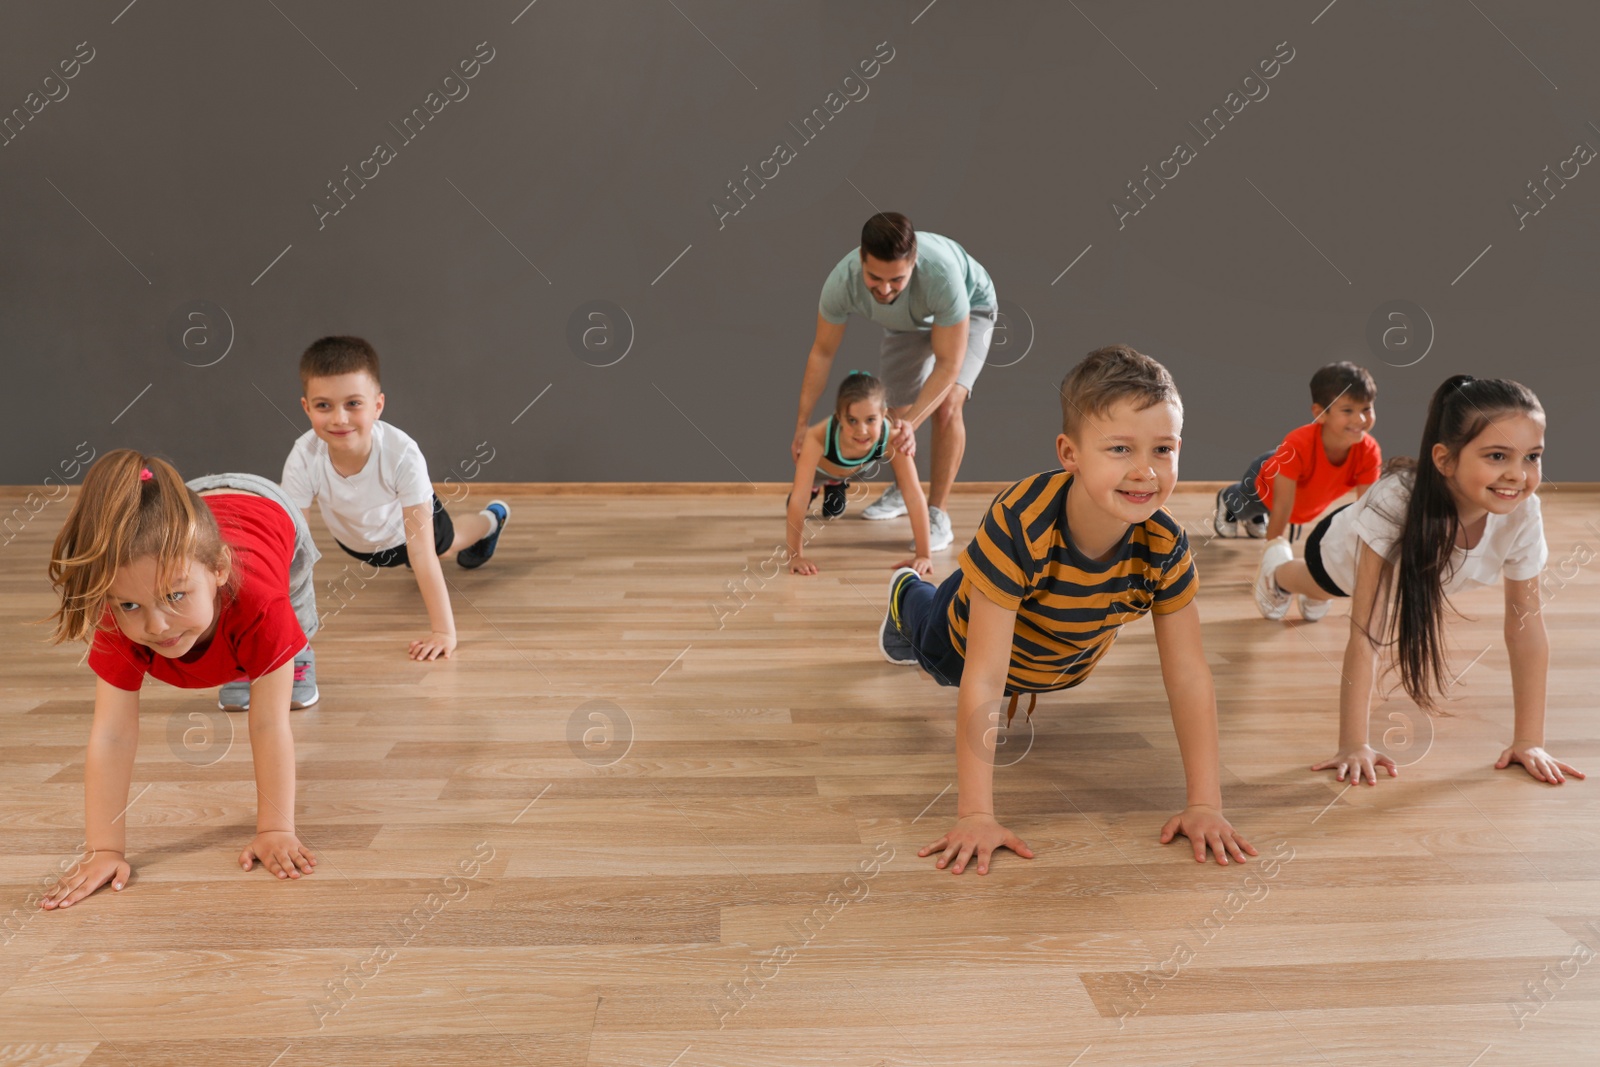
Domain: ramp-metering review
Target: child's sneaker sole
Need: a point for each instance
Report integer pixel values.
(1312, 610)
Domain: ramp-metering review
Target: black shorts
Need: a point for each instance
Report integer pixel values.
(1314, 556)
(444, 532)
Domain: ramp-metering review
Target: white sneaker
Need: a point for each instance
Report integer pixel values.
(940, 535)
(1255, 528)
(891, 505)
(1272, 602)
(1312, 610)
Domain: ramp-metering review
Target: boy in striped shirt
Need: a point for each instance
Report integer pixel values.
(1062, 560)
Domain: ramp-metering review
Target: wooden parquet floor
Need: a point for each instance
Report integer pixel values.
(641, 821)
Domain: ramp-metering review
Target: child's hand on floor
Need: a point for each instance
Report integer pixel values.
(801, 565)
(435, 646)
(921, 564)
(280, 852)
(86, 877)
(1204, 826)
(1364, 760)
(980, 834)
(1537, 762)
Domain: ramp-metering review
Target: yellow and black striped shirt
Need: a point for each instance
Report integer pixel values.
(1069, 607)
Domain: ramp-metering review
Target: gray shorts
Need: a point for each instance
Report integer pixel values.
(906, 358)
(302, 583)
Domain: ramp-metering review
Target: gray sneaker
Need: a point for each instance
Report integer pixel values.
(235, 696)
(1222, 519)
(891, 505)
(939, 533)
(304, 694)
(892, 641)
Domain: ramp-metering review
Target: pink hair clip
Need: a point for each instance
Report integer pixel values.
(144, 474)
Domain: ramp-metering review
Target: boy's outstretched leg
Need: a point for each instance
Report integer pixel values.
(478, 553)
(893, 642)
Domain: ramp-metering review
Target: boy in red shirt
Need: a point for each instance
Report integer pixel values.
(1314, 466)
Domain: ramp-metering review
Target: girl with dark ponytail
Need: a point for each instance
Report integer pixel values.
(1466, 515)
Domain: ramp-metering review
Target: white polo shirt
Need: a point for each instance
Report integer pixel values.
(365, 511)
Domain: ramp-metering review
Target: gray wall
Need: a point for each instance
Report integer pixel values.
(187, 155)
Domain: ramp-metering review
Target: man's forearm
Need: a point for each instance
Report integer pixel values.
(933, 391)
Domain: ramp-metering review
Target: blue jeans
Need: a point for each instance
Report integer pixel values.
(925, 620)
(1241, 499)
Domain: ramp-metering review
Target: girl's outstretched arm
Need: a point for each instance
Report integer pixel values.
(1369, 608)
(107, 770)
(1529, 648)
(800, 499)
(272, 751)
(905, 476)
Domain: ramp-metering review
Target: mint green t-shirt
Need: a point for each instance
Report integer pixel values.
(946, 284)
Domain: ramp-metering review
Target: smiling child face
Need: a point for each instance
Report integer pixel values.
(1125, 460)
(169, 616)
(1499, 468)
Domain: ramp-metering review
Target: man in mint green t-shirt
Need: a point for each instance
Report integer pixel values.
(937, 307)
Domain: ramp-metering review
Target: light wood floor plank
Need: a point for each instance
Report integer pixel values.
(695, 891)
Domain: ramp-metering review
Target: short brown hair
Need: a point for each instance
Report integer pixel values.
(1109, 375)
(888, 236)
(121, 516)
(1342, 379)
(332, 356)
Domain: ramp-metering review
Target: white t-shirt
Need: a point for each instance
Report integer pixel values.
(1512, 545)
(364, 512)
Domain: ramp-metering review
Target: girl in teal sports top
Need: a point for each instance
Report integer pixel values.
(850, 443)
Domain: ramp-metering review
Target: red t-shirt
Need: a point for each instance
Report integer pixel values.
(1318, 481)
(256, 632)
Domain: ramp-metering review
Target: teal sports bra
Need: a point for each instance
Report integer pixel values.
(830, 445)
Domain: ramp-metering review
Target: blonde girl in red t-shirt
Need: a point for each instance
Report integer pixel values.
(198, 592)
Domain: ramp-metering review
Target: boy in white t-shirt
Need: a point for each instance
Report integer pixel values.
(371, 484)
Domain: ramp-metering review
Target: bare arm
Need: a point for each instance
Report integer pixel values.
(272, 752)
(1369, 609)
(107, 772)
(983, 683)
(1193, 700)
(905, 476)
(1529, 649)
(818, 366)
(1283, 490)
(424, 556)
(800, 499)
(949, 350)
